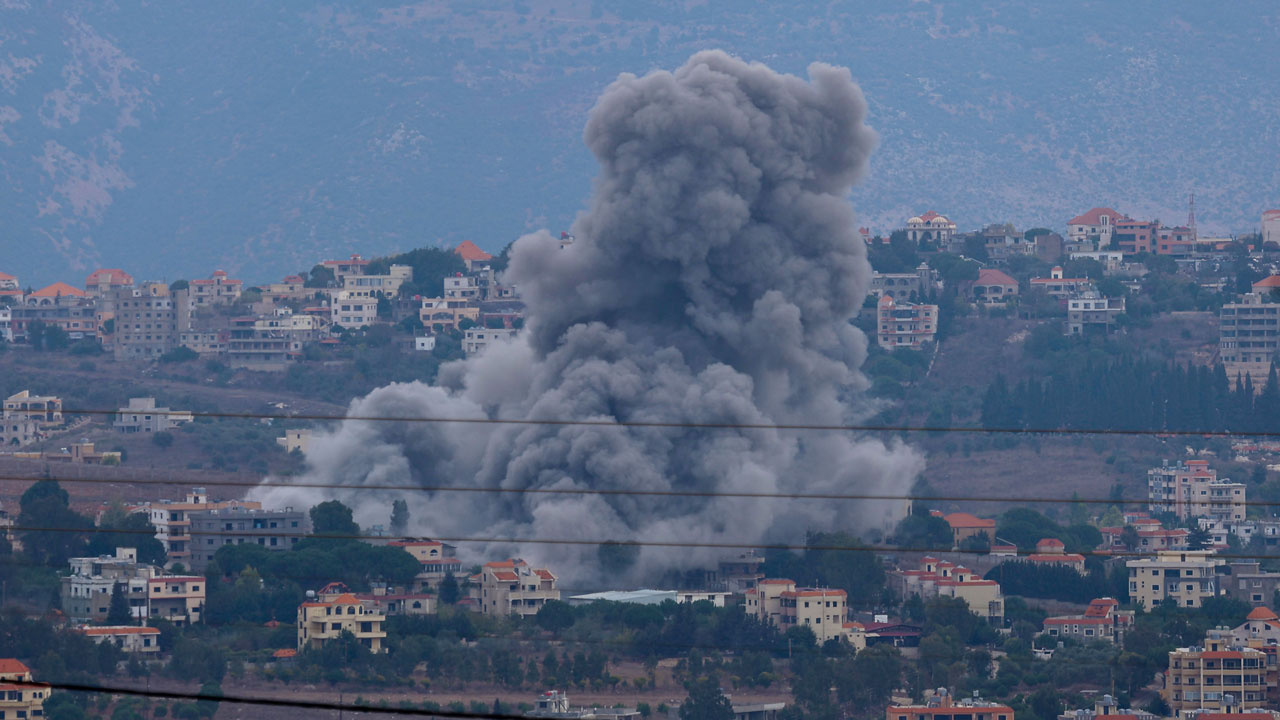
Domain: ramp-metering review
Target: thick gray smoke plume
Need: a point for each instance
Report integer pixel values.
(712, 280)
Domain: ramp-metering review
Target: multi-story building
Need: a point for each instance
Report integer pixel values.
(378, 285)
(822, 610)
(353, 311)
(464, 287)
(273, 341)
(476, 339)
(1271, 226)
(1058, 286)
(277, 530)
(1189, 489)
(941, 706)
(1094, 227)
(291, 288)
(1050, 247)
(142, 416)
(205, 340)
(1102, 620)
(1249, 331)
(941, 578)
(86, 591)
(1148, 534)
(1179, 241)
(511, 587)
(739, 573)
(6, 324)
(902, 286)
(129, 638)
(59, 305)
(439, 314)
(10, 288)
(44, 410)
(20, 695)
(148, 319)
(342, 269)
(295, 439)
(102, 283)
(1134, 236)
(383, 600)
(438, 559)
(994, 288)
(930, 228)
(176, 598)
(1182, 578)
(322, 621)
(1248, 582)
(173, 524)
(1199, 677)
(764, 601)
(1003, 241)
(1090, 311)
(905, 325)
(1107, 706)
(217, 289)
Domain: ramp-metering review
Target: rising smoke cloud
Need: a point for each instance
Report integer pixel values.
(712, 280)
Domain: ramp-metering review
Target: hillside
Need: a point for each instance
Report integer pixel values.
(172, 139)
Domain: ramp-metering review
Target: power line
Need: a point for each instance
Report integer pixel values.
(702, 425)
(609, 491)
(271, 702)
(634, 543)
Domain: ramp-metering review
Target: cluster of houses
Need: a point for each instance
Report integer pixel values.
(28, 418)
(906, 320)
(146, 320)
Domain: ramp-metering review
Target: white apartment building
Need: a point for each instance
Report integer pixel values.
(904, 324)
(1249, 332)
(1094, 227)
(142, 416)
(353, 311)
(463, 287)
(779, 602)
(378, 285)
(1184, 578)
(6, 324)
(1191, 490)
(475, 340)
(86, 592)
(511, 587)
(173, 522)
(1090, 311)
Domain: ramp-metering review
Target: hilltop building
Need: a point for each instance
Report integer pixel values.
(965, 526)
(994, 288)
(941, 578)
(217, 289)
(101, 283)
(142, 416)
(1089, 311)
(903, 286)
(1094, 227)
(1249, 331)
(1102, 620)
(930, 228)
(1058, 286)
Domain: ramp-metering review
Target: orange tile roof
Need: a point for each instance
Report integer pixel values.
(346, 599)
(470, 251)
(12, 665)
(1262, 613)
(991, 276)
(1268, 282)
(7, 276)
(285, 653)
(58, 289)
(965, 520)
(505, 575)
(114, 276)
(1094, 216)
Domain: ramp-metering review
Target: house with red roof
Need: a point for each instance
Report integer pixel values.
(472, 255)
(10, 287)
(993, 288)
(100, 283)
(1267, 286)
(129, 638)
(217, 289)
(19, 695)
(1103, 620)
(964, 526)
(1094, 227)
(1058, 286)
(321, 621)
(512, 587)
(937, 577)
(1051, 551)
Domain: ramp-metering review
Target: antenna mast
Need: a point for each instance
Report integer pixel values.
(1191, 215)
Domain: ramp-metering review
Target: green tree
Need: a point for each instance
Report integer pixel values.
(448, 590)
(399, 517)
(54, 532)
(127, 529)
(333, 518)
(118, 610)
(706, 702)
(555, 615)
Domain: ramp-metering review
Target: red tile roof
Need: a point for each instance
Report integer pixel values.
(11, 666)
(469, 251)
(118, 630)
(1221, 655)
(506, 575)
(992, 276)
(57, 289)
(1262, 613)
(1094, 217)
(284, 653)
(1050, 542)
(965, 520)
(7, 276)
(1268, 282)
(113, 276)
